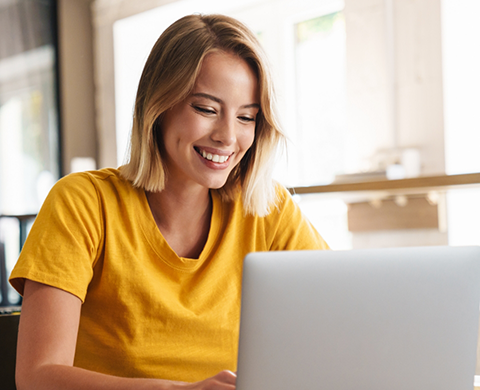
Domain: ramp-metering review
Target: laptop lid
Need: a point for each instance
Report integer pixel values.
(363, 319)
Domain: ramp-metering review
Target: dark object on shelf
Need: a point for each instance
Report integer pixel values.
(8, 346)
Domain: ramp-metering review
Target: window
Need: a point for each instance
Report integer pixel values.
(29, 135)
(29, 119)
(321, 99)
(461, 83)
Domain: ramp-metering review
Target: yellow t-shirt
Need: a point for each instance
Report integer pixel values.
(147, 312)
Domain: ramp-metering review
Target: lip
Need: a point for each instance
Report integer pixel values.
(211, 164)
(213, 150)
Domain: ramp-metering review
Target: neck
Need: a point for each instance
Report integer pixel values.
(183, 218)
(168, 207)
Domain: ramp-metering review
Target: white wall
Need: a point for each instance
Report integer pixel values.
(394, 80)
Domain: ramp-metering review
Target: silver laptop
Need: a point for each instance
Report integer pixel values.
(363, 319)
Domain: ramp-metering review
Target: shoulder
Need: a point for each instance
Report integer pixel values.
(80, 192)
(283, 228)
(90, 178)
(91, 183)
(290, 228)
(283, 194)
(284, 202)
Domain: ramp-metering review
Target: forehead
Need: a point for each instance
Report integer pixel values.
(226, 74)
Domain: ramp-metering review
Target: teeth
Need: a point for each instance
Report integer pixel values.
(214, 157)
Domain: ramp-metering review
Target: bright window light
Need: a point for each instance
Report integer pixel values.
(461, 84)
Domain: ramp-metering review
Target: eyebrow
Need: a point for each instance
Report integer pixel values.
(220, 101)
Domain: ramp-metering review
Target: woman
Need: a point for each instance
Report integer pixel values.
(131, 277)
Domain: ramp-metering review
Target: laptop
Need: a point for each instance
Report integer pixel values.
(363, 319)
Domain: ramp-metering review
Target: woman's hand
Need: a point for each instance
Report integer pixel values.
(224, 380)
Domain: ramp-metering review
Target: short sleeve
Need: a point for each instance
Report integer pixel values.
(291, 230)
(65, 239)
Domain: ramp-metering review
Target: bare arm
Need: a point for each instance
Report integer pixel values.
(46, 348)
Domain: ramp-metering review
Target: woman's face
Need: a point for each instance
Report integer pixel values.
(207, 134)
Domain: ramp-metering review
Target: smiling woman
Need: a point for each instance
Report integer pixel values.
(164, 84)
(131, 277)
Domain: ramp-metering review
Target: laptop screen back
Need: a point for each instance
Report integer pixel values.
(367, 319)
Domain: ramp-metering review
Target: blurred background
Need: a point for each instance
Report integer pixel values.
(380, 100)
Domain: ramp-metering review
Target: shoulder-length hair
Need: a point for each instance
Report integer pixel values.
(169, 77)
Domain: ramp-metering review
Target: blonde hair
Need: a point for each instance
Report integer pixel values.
(169, 77)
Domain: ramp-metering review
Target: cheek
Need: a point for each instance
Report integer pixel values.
(195, 126)
(246, 139)
(186, 129)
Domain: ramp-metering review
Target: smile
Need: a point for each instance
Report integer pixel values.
(212, 157)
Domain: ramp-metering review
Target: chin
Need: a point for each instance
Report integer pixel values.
(217, 184)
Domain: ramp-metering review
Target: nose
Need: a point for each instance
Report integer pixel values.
(224, 131)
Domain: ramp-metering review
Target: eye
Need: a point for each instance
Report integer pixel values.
(203, 110)
(246, 119)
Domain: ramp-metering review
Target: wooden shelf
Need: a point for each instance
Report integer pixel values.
(21, 217)
(414, 185)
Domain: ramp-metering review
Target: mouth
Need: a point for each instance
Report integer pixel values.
(217, 158)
